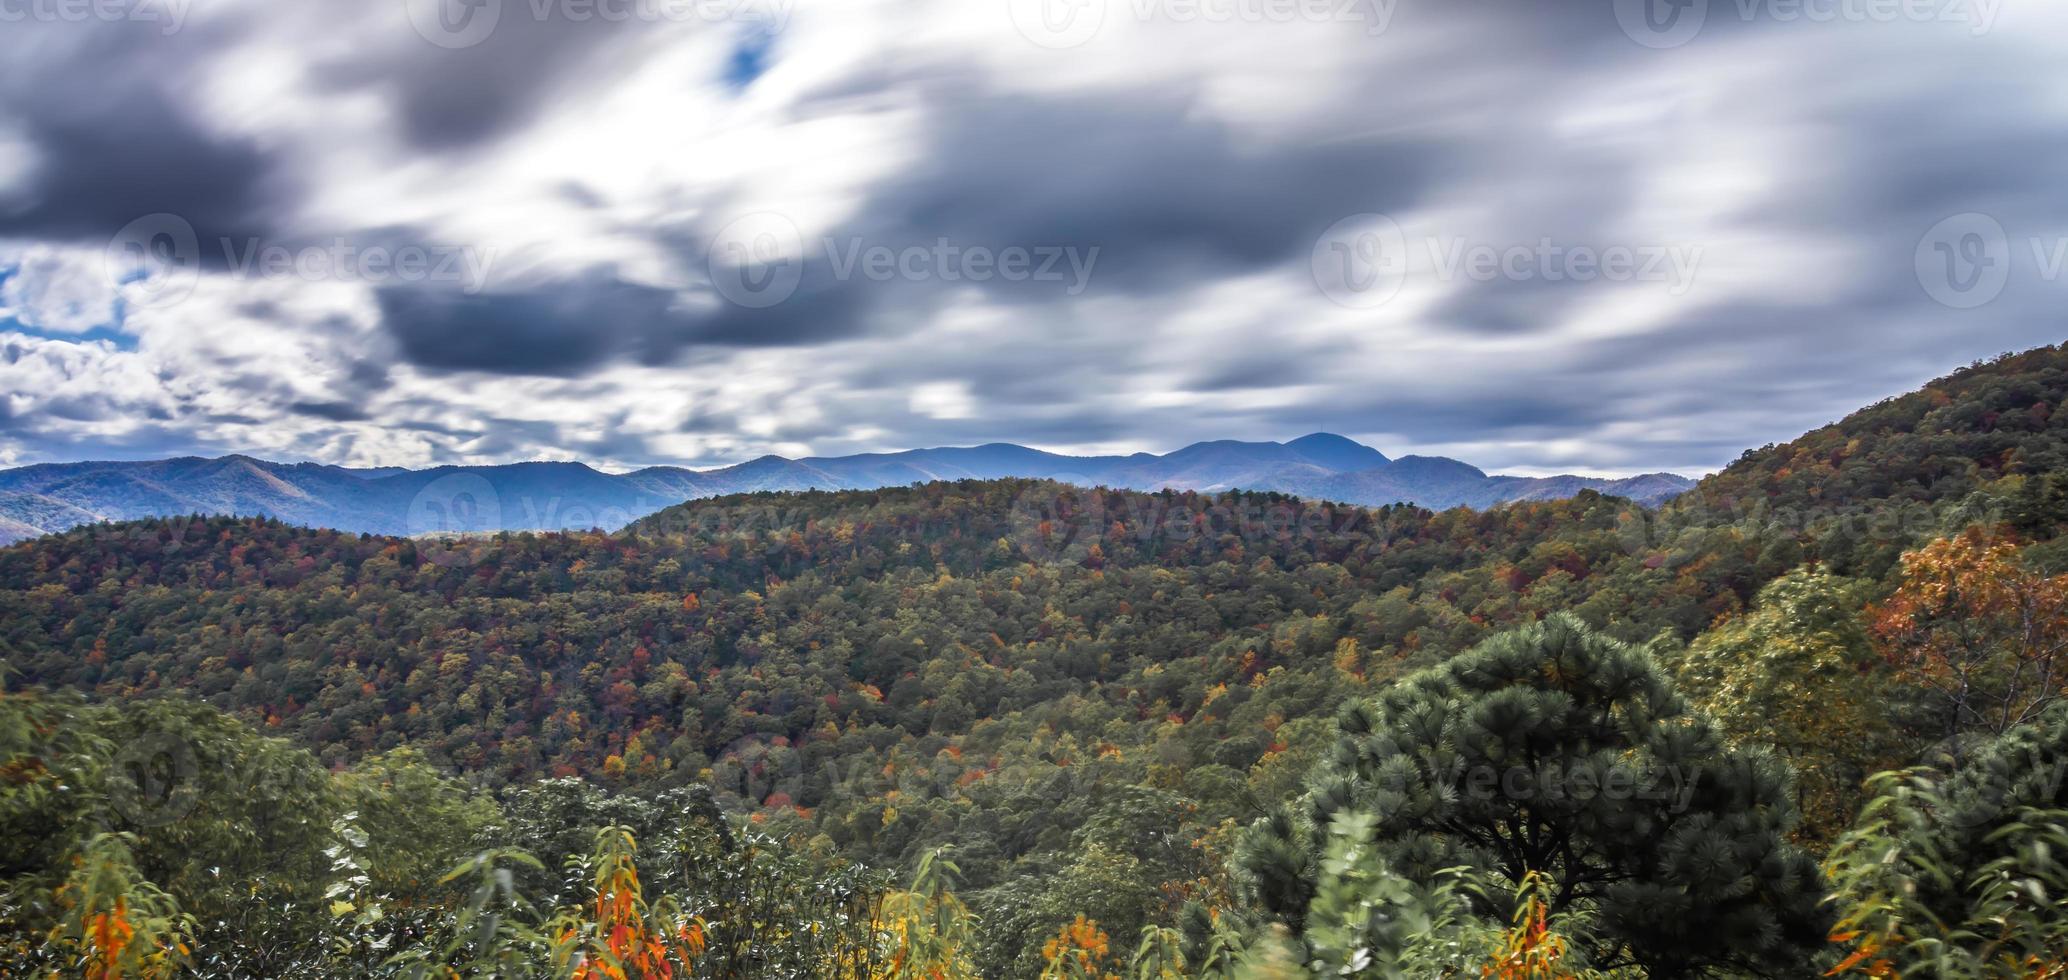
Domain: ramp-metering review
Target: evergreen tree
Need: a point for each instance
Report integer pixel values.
(1555, 751)
(1960, 876)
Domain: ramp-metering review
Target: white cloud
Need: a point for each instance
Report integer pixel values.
(59, 290)
(944, 400)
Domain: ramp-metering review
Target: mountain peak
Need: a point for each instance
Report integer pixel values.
(1339, 453)
(1434, 467)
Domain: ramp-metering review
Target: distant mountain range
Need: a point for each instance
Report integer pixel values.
(36, 500)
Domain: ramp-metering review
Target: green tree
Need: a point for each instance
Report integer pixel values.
(1556, 751)
(929, 928)
(1799, 674)
(116, 924)
(418, 821)
(1108, 887)
(1960, 876)
(1368, 922)
(493, 932)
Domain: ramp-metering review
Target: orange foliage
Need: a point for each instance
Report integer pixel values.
(111, 933)
(1971, 622)
(1079, 949)
(1530, 949)
(625, 940)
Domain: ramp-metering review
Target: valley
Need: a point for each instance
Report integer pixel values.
(1099, 704)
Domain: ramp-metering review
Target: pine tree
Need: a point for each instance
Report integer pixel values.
(1556, 751)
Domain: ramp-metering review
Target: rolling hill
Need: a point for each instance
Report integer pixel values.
(1079, 692)
(559, 495)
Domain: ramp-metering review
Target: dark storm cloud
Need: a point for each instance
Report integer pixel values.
(1921, 147)
(566, 329)
(1539, 225)
(100, 173)
(450, 99)
(563, 329)
(75, 409)
(109, 109)
(333, 411)
(1167, 194)
(1468, 411)
(1523, 305)
(708, 423)
(1254, 369)
(116, 136)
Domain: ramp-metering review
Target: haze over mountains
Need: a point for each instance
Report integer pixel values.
(50, 497)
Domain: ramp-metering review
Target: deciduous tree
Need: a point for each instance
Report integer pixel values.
(1986, 634)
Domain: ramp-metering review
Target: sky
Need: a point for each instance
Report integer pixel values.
(1599, 236)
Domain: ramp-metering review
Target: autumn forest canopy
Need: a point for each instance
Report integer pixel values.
(1803, 720)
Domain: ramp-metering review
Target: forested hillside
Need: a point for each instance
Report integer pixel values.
(1953, 436)
(1116, 714)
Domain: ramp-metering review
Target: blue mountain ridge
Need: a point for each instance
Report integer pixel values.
(540, 496)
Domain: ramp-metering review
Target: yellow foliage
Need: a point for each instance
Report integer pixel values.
(1349, 660)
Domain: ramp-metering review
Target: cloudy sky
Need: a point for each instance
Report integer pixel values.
(1574, 236)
